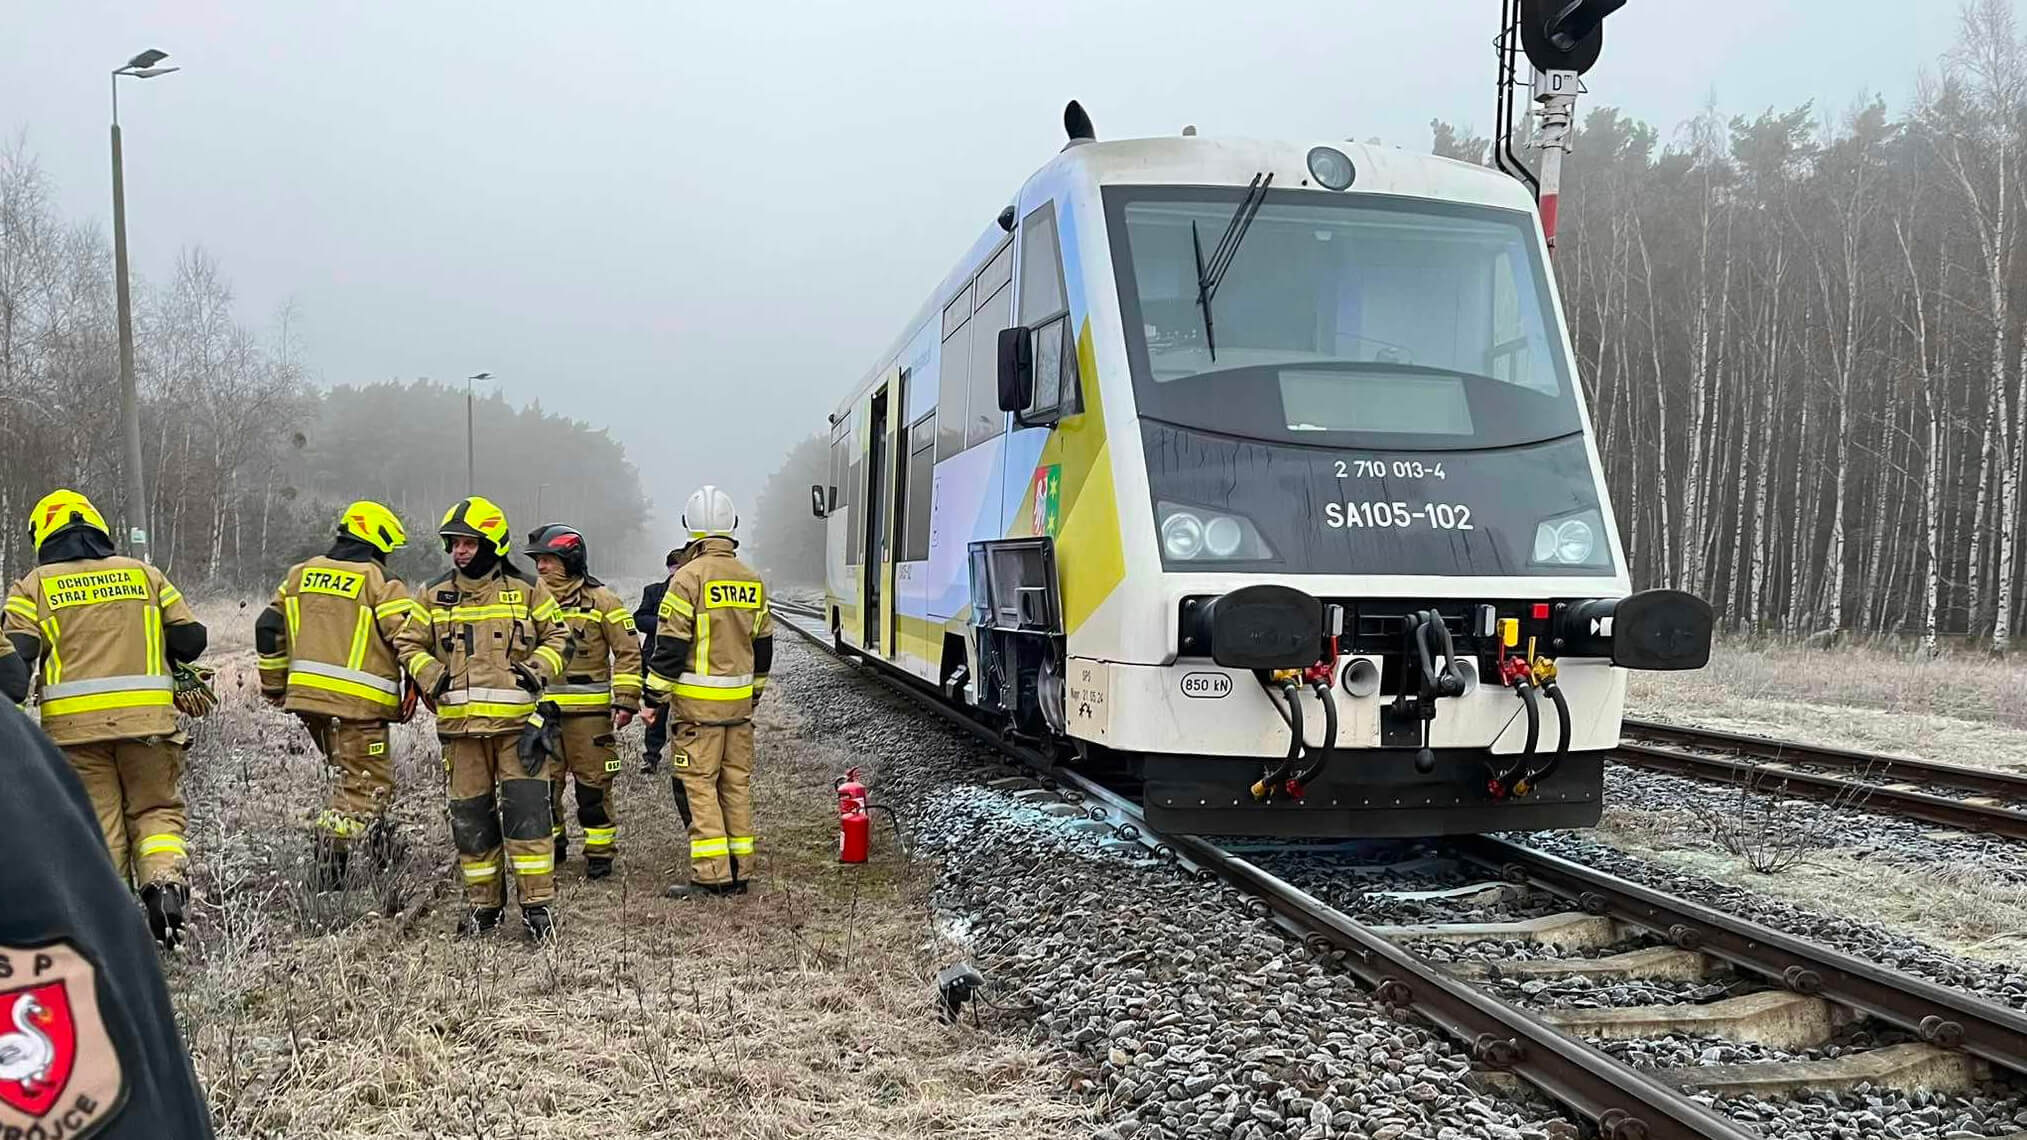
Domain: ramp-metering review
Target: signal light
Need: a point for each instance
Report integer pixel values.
(1564, 35)
(1541, 611)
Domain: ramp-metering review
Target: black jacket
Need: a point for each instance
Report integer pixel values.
(73, 942)
(647, 615)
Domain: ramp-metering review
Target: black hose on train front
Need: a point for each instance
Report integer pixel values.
(1535, 776)
(1301, 780)
(1290, 708)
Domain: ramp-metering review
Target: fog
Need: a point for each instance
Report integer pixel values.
(697, 223)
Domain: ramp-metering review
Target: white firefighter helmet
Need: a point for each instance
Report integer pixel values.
(710, 512)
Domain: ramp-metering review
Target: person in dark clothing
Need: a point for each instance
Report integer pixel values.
(644, 618)
(78, 969)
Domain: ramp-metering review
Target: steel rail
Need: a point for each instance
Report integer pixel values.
(1625, 1103)
(2010, 823)
(1940, 1015)
(1982, 781)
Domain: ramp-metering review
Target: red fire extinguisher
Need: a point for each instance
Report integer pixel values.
(855, 828)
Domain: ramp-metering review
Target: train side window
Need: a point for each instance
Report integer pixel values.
(1041, 267)
(921, 480)
(995, 312)
(952, 369)
(1045, 311)
(838, 464)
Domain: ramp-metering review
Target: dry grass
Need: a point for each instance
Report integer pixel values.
(804, 1009)
(1957, 907)
(1961, 708)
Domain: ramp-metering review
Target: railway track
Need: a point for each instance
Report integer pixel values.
(1623, 1102)
(1915, 789)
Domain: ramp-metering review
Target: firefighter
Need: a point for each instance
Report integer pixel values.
(326, 653)
(107, 632)
(490, 637)
(714, 643)
(598, 694)
(644, 617)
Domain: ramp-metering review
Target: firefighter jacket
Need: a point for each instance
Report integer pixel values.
(714, 640)
(604, 669)
(105, 630)
(483, 648)
(14, 674)
(326, 641)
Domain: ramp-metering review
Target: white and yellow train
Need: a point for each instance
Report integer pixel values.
(1259, 471)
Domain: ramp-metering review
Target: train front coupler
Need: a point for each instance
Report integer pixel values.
(1431, 658)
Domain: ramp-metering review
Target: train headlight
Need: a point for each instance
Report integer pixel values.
(1182, 535)
(1331, 169)
(1571, 540)
(1198, 534)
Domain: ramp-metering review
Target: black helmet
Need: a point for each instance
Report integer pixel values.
(562, 542)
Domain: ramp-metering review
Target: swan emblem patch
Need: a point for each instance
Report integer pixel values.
(59, 1073)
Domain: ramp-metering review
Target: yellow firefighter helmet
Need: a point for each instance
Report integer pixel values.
(478, 518)
(60, 509)
(374, 525)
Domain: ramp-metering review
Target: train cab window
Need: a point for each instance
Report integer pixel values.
(995, 312)
(838, 464)
(1045, 311)
(921, 488)
(953, 367)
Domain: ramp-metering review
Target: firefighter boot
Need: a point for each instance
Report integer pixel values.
(164, 903)
(703, 890)
(562, 848)
(541, 925)
(478, 920)
(738, 884)
(596, 867)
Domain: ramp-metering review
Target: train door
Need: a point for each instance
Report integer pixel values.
(873, 577)
(895, 452)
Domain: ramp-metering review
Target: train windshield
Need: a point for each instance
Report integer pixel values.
(1342, 320)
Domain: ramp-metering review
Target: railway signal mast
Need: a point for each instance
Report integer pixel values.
(1561, 39)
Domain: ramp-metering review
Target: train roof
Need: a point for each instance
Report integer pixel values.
(1195, 160)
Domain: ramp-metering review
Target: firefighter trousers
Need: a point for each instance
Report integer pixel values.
(713, 764)
(497, 807)
(590, 760)
(362, 772)
(133, 788)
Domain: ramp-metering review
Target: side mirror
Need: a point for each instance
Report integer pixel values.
(819, 501)
(1016, 368)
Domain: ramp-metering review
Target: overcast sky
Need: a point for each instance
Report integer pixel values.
(697, 222)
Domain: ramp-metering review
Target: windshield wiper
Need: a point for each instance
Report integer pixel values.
(1208, 276)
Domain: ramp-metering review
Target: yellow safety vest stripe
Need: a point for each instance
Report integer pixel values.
(579, 700)
(548, 610)
(163, 844)
(459, 712)
(281, 662)
(671, 604)
(401, 606)
(541, 864)
(553, 658)
(740, 844)
(344, 687)
(480, 872)
(628, 681)
(479, 613)
(52, 660)
(710, 848)
(170, 596)
(713, 692)
(22, 606)
(108, 700)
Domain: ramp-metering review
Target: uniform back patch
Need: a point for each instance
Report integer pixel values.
(59, 1072)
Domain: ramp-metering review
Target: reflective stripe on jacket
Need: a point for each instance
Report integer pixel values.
(718, 606)
(338, 656)
(99, 621)
(605, 669)
(470, 635)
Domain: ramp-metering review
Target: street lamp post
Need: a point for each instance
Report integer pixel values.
(141, 66)
(471, 482)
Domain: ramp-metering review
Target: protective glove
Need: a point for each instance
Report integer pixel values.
(541, 738)
(193, 697)
(525, 676)
(411, 695)
(621, 718)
